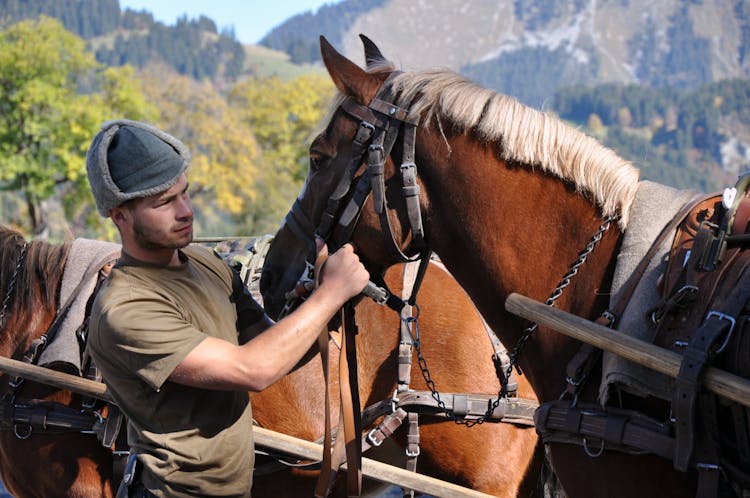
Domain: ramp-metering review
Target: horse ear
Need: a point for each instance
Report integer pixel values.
(373, 56)
(348, 77)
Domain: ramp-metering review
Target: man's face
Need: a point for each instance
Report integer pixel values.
(165, 220)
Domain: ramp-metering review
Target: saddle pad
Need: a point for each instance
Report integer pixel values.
(84, 254)
(654, 206)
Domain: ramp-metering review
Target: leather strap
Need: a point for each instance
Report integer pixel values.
(327, 471)
(587, 357)
(719, 322)
(350, 401)
(599, 429)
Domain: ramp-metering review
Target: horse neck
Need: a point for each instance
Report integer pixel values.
(518, 231)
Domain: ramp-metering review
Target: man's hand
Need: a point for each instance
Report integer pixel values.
(341, 273)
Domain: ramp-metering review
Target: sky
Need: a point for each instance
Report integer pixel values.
(252, 19)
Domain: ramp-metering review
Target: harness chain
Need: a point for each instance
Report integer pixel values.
(12, 283)
(557, 292)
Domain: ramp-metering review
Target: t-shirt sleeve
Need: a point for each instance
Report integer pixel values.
(150, 335)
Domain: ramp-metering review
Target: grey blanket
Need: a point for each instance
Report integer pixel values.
(85, 259)
(654, 206)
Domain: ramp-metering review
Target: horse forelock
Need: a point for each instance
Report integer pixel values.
(524, 135)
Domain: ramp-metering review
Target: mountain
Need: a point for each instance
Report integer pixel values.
(193, 47)
(666, 83)
(531, 48)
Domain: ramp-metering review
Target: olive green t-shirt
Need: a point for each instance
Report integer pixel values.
(144, 322)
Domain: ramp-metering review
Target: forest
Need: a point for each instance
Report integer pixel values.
(248, 141)
(65, 70)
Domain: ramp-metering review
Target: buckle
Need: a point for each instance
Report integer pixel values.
(371, 438)
(412, 453)
(732, 322)
(364, 132)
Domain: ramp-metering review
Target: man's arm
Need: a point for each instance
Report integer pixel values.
(254, 330)
(255, 365)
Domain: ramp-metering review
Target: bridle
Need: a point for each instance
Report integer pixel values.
(381, 122)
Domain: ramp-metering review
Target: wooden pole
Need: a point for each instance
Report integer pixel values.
(370, 468)
(54, 378)
(641, 352)
(263, 437)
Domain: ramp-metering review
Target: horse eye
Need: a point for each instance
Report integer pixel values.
(316, 162)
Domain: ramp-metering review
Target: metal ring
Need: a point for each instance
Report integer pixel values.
(27, 435)
(591, 453)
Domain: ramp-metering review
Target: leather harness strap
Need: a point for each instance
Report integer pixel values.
(706, 298)
(587, 357)
(609, 428)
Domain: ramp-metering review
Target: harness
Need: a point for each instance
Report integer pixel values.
(28, 416)
(703, 315)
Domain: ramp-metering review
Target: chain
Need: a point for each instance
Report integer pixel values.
(572, 272)
(413, 322)
(12, 283)
(516, 353)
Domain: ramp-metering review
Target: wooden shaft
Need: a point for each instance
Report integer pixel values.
(263, 437)
(370, 468)
(641, 352)
(54, 378)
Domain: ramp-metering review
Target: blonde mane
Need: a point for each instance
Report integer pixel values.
(524, 135)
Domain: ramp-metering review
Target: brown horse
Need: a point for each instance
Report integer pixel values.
(458, 351)
(43, 464)
(77, 465)
(507, 197)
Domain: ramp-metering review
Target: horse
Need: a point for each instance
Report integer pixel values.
(447, 450)
(69, 464)
(76, 464)
(511, 199)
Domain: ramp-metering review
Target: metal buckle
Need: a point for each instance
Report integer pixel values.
(611, 318)
(99, 420)
(730, 319)
(364, 132)
(412, 454)
(371, 438)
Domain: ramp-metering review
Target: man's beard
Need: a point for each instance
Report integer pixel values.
(152, 239)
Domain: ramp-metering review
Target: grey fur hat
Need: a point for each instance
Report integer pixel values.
(129, 159)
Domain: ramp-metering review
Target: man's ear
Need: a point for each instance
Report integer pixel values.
(118, 215)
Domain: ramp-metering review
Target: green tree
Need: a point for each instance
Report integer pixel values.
(224, 169)
(284, 116)
(53, 98)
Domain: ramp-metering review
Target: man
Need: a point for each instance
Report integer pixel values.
(177, 338)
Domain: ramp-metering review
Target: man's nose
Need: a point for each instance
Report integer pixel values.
(185, 207)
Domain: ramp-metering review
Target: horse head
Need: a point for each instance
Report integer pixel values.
(353, 190)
